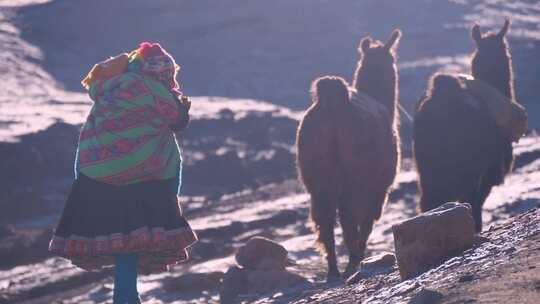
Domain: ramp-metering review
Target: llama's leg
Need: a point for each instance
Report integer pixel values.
(349, 225)
(476, 197)
(365, 230)
(476, 211)
(433, 196)
(477, 203)
(427, 199)
(323, 214)
(477, 215)
(424, 202)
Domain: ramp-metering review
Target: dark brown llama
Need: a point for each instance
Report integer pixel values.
(348, 150)
(460, 151)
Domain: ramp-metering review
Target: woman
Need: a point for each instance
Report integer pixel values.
(122, 210)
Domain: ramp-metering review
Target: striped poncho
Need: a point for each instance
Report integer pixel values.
(126, 138)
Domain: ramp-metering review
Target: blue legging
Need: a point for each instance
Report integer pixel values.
(125, 279)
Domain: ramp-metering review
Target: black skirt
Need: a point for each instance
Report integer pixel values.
(100, 221)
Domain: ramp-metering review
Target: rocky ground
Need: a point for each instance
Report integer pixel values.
(279, 211)
(502, 269)
(239, 178)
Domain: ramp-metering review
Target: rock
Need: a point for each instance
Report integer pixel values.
(428, 239)
(245, 281)
(271, 264)
(195, 282)
(374, 265)
(509, 250)
(356, 277)
(426, 296)
(382, 260)
(466, 278)
(260, 253)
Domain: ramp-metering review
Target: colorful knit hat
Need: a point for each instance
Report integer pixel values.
(151, 59)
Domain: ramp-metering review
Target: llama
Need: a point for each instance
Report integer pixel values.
(459, 150)
(348, 151)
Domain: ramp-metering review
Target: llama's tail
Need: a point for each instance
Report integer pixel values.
(322, 215)
(329, 90)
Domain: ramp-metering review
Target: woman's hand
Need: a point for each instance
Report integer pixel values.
(184, 104)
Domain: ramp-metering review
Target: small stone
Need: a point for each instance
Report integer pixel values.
(383, 260)
(429, 239)
(260, 253)
(357, 277)
(466, 278)
(509, 250)
(374, 265)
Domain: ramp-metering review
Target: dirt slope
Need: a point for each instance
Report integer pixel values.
(504, 269)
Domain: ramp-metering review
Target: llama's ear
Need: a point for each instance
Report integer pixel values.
(504, 29)
(364, 44)
(393, 42)
(475, 33)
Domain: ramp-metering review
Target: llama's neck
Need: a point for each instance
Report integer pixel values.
(498, 75)
(379, 85)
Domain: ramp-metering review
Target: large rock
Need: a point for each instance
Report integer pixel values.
(245, 281)
(428, 239)
(260, 253)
